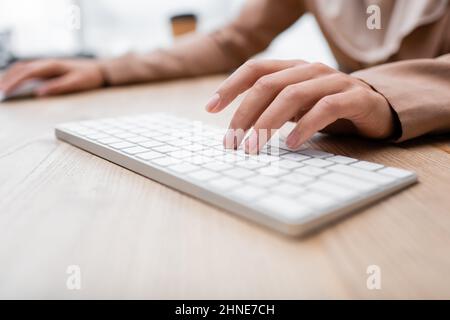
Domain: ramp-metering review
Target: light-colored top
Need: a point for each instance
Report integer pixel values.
(407, 60)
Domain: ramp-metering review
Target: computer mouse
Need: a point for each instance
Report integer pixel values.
(24, 90)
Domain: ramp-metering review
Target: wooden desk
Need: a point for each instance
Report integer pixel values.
(134, 238)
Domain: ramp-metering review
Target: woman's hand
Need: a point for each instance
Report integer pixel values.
(62, 76)
(315, 95)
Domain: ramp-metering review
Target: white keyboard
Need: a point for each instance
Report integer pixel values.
(290, 191)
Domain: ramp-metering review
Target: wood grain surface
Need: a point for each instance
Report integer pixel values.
(135, 238)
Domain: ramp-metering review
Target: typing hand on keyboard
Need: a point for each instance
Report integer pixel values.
(318, 96)
(289, 191)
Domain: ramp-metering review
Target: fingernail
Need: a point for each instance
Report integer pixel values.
(293, 139)
(229, 141)
(213, 103)
(251, 145)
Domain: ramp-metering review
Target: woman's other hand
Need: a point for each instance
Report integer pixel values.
(60, 76)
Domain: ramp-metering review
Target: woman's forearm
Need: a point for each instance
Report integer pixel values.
(251, 32)
(419, 92)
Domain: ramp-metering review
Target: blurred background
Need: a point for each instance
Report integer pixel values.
(107, 28)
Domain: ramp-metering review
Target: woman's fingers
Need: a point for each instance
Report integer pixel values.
(260, 96)
(65, 84)
(38, 69)
(314, 94)
(327, 111)
(243, 79)
(294, 100)
(11, 72)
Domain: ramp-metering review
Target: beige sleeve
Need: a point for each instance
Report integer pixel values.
(258, 23)
(419, 92)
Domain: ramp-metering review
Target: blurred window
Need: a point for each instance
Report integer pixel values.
(108, 27)
(113, 27)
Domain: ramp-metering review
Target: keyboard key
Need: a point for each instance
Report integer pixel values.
(149, 155)
(166, 138)
(203, 175)
(241, 153)
(317, 162)
(225, 183)
(266, 158)
(297, 178)
(98, 136)
(289, 164)
(212, 152)
(285, 207)
(137, 139)
(272, 171)
(138, 130)
(211, 143)
(179, 143)
(295, 157)
(362, 174)
(150, 143)
(316, 200)
(396, 173)
(262, 181)
(165, 149)
(135, 150)
(239, 173)
(151, 134)
(332, 189)
(165, 161)
(311, 171)
(184, 168)
(288, 190)
(315, 153)
(125, 135)
(199, 160)
(248, 193)
(367, 165)
(195, 138)
(273, 151)
(194, 147)
(349, 182)
(180, 154)
(251, 164)
(122, 145)
(230, 158)
(342, 159)
(110, 140)
(113, 131)
(217, 166)
(87, 132)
